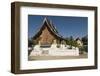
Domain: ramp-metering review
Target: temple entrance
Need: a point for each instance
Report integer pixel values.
(45, 52)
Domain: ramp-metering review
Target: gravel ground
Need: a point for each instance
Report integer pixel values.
(30, 58)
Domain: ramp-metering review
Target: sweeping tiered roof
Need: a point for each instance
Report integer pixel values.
(51, 28)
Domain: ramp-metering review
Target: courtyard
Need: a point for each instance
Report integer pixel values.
(30, 58)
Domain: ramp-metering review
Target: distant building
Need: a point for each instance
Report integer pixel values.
(79, 42)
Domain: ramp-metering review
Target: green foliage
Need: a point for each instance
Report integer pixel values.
(70, 41)
(30, 43)
(85, 44)
(75, 44)
(85, 40)
(84, 48)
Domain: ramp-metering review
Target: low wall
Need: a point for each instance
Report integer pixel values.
(64, 52)
(35, 53)
(55, 52)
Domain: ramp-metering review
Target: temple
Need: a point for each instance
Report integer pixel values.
(47, 34)
(48, 41)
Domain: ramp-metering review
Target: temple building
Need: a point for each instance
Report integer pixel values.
(48, 41)
(47, 34)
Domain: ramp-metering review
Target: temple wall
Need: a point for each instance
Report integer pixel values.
(54, 51)
(68, 52)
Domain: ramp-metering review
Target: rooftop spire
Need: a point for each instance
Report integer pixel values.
(45, 19)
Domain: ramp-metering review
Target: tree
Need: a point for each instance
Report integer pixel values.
(75, 44)
(84, 48)
(71, 41)
(30, 43)
(85, 40)
(67, 41)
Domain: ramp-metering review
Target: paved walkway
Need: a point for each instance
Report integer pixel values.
(56, 57)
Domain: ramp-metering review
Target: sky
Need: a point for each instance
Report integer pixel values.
(66, 25)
